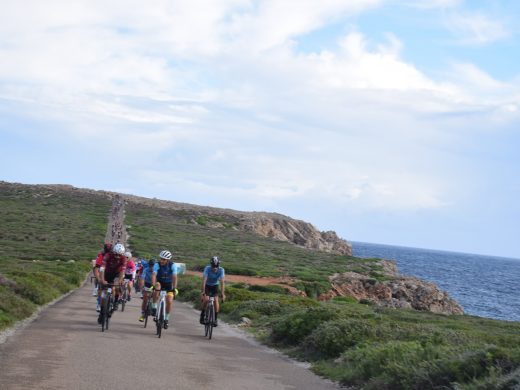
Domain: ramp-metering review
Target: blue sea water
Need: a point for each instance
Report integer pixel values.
(485, 286)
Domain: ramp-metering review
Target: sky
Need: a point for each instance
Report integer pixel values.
(388, 121)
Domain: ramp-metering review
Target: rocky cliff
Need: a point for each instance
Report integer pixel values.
(298, 232)
(398, 291)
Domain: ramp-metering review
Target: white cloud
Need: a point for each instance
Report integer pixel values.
(428, 4)
(215, 93)
(477, 29)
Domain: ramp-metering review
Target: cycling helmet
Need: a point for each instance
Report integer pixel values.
(165, 255)
(119, 249)
(128, 254)
(215, 262)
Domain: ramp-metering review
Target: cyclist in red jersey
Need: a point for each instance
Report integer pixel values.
(98, 263)
(113, 268)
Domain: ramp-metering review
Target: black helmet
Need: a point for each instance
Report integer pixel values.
(214, 261)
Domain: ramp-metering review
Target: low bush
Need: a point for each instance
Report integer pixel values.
(331, 338)
(296, 326)
(254, 309)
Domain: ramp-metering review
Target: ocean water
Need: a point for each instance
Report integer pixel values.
(485, 286)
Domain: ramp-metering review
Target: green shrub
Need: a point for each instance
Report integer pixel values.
(269, 288)
(331, 338)
(296, 326)
(254, 309)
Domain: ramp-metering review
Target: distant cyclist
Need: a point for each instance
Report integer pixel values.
(212, 277)
(164, 277)
(145, 282)
(129, 273)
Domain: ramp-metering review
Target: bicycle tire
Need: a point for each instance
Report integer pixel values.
(206, 322)
(160, 320)
(147, 313)
(102, 314)
(110, 310)
(211, 321)
(123, 300)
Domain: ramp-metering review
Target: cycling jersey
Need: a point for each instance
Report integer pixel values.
(114, 265)
(213, 277)
(130, 268)
(147, 270)
(165, 272)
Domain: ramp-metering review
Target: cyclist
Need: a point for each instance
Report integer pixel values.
(145, 282)
(137, 281)
(112, 269)
(212, 277)
(129, 273)
(97, 264)
(164, 276)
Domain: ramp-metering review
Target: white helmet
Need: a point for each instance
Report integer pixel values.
(165, 255)
(119, 249)
(128, 254)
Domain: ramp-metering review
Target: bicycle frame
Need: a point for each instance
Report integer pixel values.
(107, 305)
(209, 317)
(160, 314)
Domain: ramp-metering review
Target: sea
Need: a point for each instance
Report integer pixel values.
(485, 286)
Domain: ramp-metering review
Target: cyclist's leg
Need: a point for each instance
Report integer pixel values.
(204, 300)
(155, 297)
(169, 304)
(130, 285)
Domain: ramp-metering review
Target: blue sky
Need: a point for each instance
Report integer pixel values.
(392, 122)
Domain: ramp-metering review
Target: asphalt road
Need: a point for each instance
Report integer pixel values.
(64, 348)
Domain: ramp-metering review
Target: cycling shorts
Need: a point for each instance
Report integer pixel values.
(211, 290)
(129, 277)
(167, 286)
(109, 277)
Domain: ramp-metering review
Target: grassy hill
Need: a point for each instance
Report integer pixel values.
(48, 235)
(357, 344)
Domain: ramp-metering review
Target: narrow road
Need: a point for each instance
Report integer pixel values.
(65, 349)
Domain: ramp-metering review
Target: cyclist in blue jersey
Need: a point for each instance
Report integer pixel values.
(164, 276)
(212, 277)
(145, 282)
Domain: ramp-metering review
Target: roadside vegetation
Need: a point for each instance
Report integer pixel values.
(356, 344)
(47, 239)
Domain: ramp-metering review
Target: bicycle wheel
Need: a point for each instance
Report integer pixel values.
(206, 322)
(103, 314)
(108, 308)
(160, 320)
(147, 311)
(211, 320)
(123, 299)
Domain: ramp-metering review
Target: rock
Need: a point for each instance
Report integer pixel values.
(298, 232)
(398, 292)
(244, 321)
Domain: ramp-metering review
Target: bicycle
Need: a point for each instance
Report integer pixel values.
(209, 318)
(107, 305)
(148, 308)
(160, 314)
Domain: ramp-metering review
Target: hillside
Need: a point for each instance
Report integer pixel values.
(48, 234)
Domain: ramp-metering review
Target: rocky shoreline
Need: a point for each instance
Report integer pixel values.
(399, 291)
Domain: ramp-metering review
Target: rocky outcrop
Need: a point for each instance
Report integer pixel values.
(298, 232)
(398, 292)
